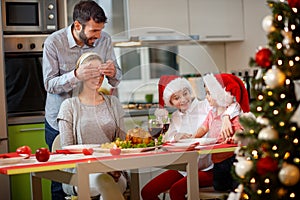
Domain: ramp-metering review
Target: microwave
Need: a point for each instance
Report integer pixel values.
(29, 16)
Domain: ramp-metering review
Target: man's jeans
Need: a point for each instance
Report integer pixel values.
(56, 188)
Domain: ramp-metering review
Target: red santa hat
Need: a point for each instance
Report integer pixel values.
(175, 86)
(225, 88)
(163, 82)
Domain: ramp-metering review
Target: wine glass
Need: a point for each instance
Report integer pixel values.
(166, 124)
(155, 127)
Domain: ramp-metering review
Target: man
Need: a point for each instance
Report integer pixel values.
(61, 51)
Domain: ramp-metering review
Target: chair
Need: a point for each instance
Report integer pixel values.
(56, 143)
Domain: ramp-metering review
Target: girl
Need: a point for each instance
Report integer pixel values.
(185, 121)
(221, 91)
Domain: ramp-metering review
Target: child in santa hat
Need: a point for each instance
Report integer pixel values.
(191, 112)
(185, 121)
(221, 91)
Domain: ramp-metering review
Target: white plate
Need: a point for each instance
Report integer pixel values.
(177, 146)
(5, 161)
(78, 147)
(202, 141)
(126, 151)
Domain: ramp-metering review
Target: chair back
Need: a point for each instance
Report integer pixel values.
(56, 143)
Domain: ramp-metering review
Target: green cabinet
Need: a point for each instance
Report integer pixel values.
(32, 135)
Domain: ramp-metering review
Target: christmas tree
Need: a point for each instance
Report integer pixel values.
(268, 165)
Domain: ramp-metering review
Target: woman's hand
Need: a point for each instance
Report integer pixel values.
(108, 69)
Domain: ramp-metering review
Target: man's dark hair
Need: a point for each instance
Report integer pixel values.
(86, 10)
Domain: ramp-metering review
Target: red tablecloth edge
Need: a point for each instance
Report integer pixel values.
(4, 170)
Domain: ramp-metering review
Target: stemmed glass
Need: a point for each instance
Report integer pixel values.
(155, 127)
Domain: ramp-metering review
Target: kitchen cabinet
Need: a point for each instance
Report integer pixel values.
(32, 135)
(216, 20)
(210, 20)
(165, 17)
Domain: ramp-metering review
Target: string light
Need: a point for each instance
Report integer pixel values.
(279, 17)
(293, 128)
(293, 27)
(274, 148)
(252, 180)
(245, 196)
(287, 81)
(255, 154)
(259, 108)
(296, 160)
(282, 96)
(297, 58)
(276, 155)
(260, 97)
(275, 112)
(259, 191)
(289, 106)
(286, 155)
(251, 131)
(270, 93)
(295, 10)
(267, 191)
(291, 63)
(296, 141)
(281, 124)
(292, 195)
(267, 180)
(278, 45)
(279, 62)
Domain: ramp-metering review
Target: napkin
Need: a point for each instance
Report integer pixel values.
(9, 155)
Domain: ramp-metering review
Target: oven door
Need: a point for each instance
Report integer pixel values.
(25, 92)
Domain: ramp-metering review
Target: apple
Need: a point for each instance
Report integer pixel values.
(24, 151)
(42, 154)
(115, 151)
(88, 151)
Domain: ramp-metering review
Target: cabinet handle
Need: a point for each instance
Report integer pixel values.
(218, 36)
(32, 129)
(158, 32)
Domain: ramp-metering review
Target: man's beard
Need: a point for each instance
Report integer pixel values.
(84, 39)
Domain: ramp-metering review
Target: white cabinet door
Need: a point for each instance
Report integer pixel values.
(165, 17)
(217, 20)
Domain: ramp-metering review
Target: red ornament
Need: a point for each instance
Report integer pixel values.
(294, 3)
(263, 58)
(265, 165)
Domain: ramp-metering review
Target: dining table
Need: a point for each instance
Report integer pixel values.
(100, 162)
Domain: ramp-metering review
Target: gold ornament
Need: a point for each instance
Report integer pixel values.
(289, 174)
(274, 77)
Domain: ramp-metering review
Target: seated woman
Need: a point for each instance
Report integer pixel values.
(93, 118)
(221, 91)
(189, 115)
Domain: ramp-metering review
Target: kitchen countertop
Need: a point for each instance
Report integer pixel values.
(35, 119)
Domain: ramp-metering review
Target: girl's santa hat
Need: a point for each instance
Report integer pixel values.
(226, 88)
(173, 86)
(163, 82)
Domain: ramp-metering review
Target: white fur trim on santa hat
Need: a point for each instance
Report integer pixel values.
(175, 86)
(217, 92)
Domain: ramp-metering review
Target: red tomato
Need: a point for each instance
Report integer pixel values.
(24, 151)
(88, 151)
(42, 154)
(115, 151)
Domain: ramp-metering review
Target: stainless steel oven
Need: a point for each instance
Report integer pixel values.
(25, 93)
(29, 16)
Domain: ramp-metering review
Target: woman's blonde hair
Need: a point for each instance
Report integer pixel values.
(88, 56)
